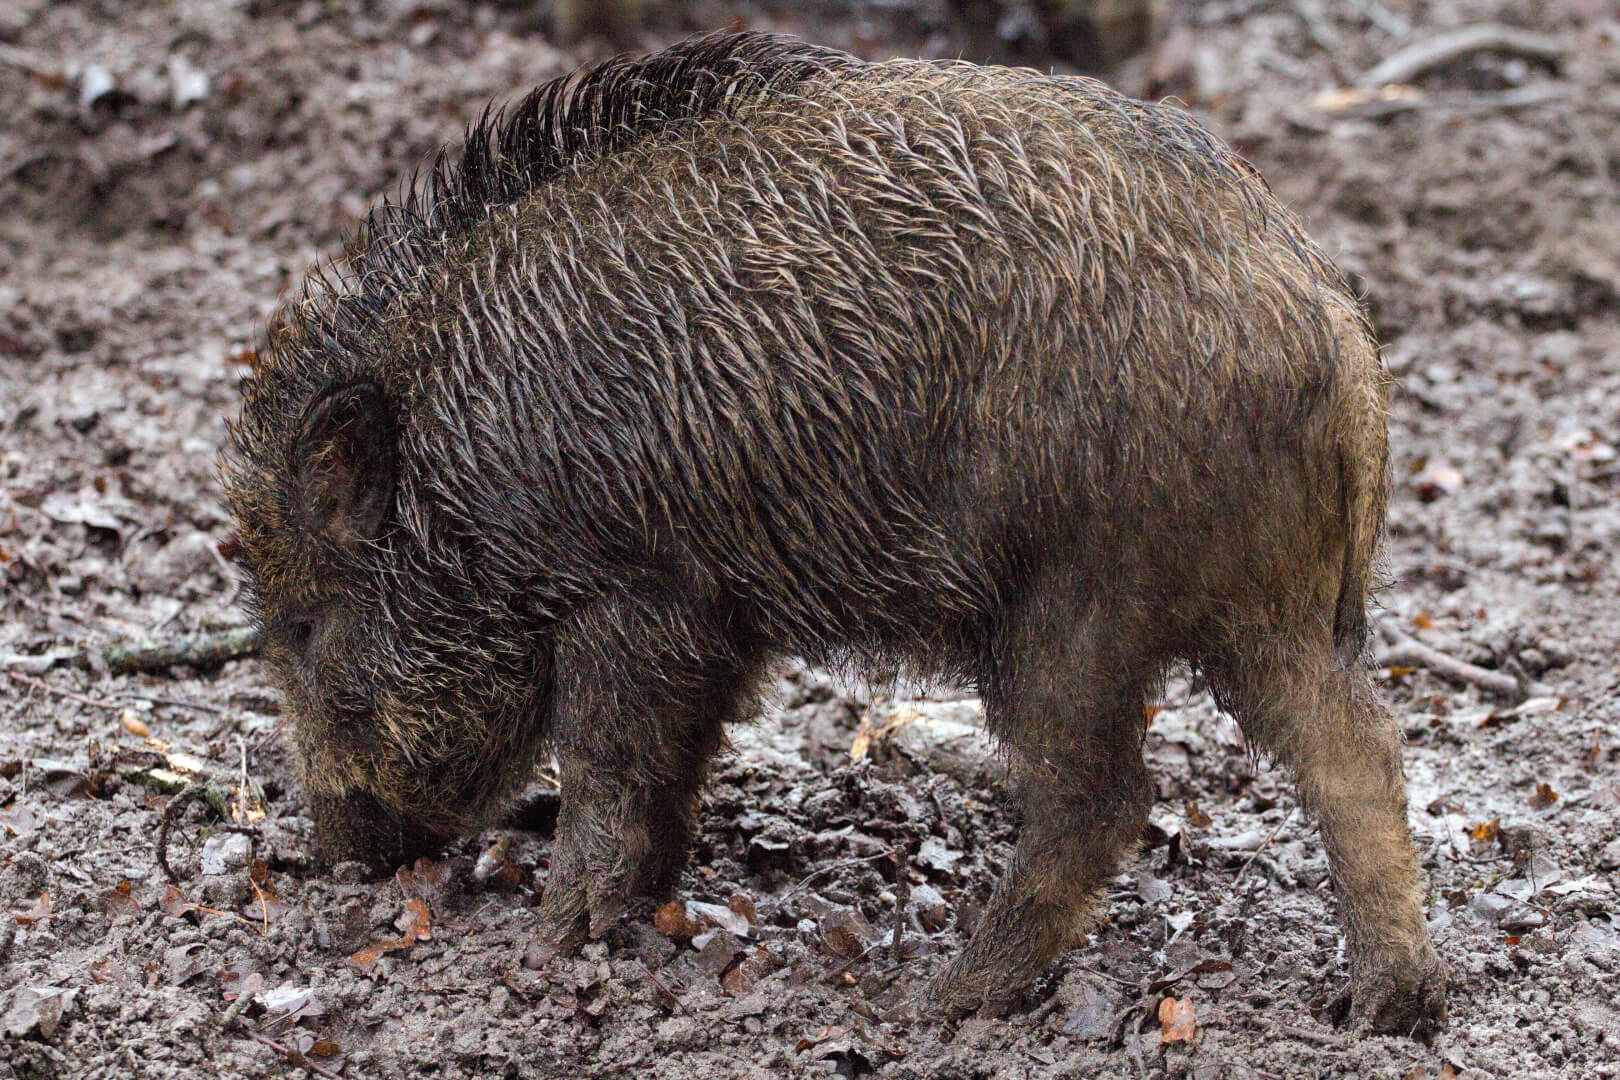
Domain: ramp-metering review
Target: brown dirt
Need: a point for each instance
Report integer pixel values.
(148, 227)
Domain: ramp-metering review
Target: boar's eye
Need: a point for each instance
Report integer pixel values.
(299, 633)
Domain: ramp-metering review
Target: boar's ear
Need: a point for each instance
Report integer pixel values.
(343, 464)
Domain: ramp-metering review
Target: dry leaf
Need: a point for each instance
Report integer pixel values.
(173, 904)
(1438, 477)
(1196, 817)
(842, 941)
(40, 910)
(425, 880)
(1543, 797)
(414, 922)
(1423, 621)
(18, 818)
(742, 905)
(119, 900)
(1177, 1020)
(493, 859)
(1483, 836)
(673, 922)
(265, 906)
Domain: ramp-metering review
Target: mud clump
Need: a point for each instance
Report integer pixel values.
(751, 348)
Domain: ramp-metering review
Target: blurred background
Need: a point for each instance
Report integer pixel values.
(170, 168)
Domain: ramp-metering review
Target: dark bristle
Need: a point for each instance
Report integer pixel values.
(598, 110)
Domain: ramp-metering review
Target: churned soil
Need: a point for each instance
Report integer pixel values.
(168, 170)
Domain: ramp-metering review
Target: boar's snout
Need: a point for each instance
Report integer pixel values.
(359, 828)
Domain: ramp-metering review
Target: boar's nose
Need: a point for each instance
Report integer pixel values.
(359, 828)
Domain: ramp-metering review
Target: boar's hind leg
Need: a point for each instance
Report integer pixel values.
(1067, 702)
(642, 695)
(1325, 720)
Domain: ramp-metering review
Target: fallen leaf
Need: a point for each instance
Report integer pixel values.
(1437, 478)
(747, 970)
(173, 904)
(493, 859)
(324, 1048)
(40, 910)
(34, 1008)
(826, 1033)
(425, 880)
(1483, 836)
(119, 900)
(233, 983)
(109, 970)
(1177, 1020)
(1196, 817)
(732, 922)
(1543, 797)
(287, 1004)
(673, 922)
(265, 906)
(1423, 621)
(18, 819)
(414, 922)
(744, 906)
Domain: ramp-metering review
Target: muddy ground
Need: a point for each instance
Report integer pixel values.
(167, 170)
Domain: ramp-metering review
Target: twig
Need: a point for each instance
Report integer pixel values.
(293, 1056)
(37, 684)
(1421, 56)
(242, 784)
(1407, 650)
(264, 905)
(666, 991)
(1272, 835)
(902, 894)
(852, 961)
(829, 868)
(170, 813)
(1320, 1038)
(176, 703)
(1115, 979)
(197, 650)
(1372, 104)
(237, 1007)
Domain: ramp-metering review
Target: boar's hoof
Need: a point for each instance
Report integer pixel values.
(573, 911)
(955, 993)
(1401, 1001)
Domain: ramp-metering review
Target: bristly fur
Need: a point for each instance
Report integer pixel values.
(752, 348)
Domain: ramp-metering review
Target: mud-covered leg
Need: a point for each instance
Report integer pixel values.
(642, 696)
(1065, 694)
(1327, 722)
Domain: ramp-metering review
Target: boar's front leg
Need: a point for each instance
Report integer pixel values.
(644, 686)
(1065, 695)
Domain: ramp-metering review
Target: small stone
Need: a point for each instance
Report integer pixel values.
(222, 854)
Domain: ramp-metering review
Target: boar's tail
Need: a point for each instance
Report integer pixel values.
(1363, 466)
